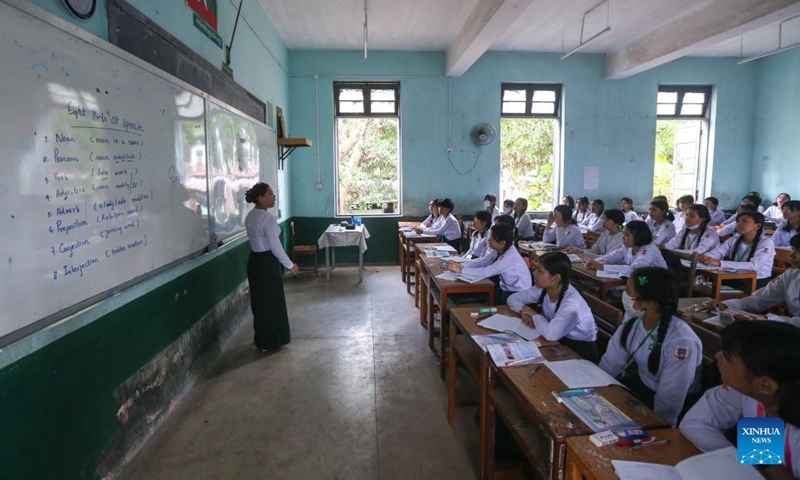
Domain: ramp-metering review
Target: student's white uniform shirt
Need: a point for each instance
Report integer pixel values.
(579, 216)
(263, 233)
(447, 226)
(678, 371)
(781, 237)
(679, 222)
(774, 213)
(761, 263)
(495, 213)
(524, 226)
(709, 241)
(662, 233)
(731, 219)
(573, 319)
(435, 222)
(569, 236)
(719, 410)
(630, 216)
(606, 243)
(593, 222)
(623, 260)
(760, 209)
(717, 217)
(726, 230)
(514, 273)
(478, 245)
(784, 288)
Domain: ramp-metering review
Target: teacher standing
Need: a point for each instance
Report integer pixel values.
(267, 300)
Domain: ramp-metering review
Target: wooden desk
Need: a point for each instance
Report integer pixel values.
(717, 276)
(587, 460)
(539, 423)
(400, 243)
(710, 335)
(583, 274)
(422, 283)
(438, 293)
(407, 244)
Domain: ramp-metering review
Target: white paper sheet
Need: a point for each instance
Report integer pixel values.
(591, 178)
(445, 248)
(722, 463)
(574, 258)
(458, 259)
(608, 274)
(503, 323)
(581, 374)
(448, 276)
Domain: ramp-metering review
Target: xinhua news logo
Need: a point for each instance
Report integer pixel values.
(760, 441)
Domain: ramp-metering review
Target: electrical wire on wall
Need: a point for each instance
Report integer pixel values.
(477, 157)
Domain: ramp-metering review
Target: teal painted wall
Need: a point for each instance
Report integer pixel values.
(776, 149)
(606, 123)
(58, 403)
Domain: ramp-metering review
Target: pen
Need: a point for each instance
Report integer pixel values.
(555, 395)
(530, 374)
(639, 446)
(514, 362)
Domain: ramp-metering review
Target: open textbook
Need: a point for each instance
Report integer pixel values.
(514, 353)
(719, 464)
(503, 323)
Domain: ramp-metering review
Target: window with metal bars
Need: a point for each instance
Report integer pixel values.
(366, 99)
(534, 100)
(679, 101)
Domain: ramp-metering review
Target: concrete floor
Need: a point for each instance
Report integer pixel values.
(356, 395)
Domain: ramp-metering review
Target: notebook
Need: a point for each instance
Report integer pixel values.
(509, 354)
(504, 323)
(721, 463)
(595, 411)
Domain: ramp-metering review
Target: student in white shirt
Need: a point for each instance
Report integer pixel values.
(749, 250)
(505, 262)
(717, 216)
(594, 222)
(581, 211)
(264, 276)
(568, 201)
(784, 288)
(562, 230)
(729, 226)
(666, 351)
(637, 251)
(696, 236)
(522, 219)
(610, 239)
(756, 198)
(626, 204)
(448, 227)
(774, 212)
(490, 202)
(508, 207)
(479, 243)
(681, 205)
(790, 226)
(556, 309)
(433, 218)
(759, 368)
(660, 222)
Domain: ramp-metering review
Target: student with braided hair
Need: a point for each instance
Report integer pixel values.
(758, 365)
(695, 236)
(479, 243)
(655, 353)
(562, 229)
(637, 251)
(594, 221)
(556, 309)
(749, 250)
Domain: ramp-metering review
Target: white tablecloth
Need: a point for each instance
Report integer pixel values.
(336, 236)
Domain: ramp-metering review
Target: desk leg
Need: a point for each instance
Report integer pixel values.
(444, 337)
(360, 265)
(423, 304)
(753, 286)
(572, 468)
(431, 325)
(333, 259)
(451, 390)
(328, 264)
(484, 407)
(401, 258)
(487, 460)
(716, 294)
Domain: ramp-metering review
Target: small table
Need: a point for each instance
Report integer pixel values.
(587, 460)
(587, 275)
(336, 236)
(719, 275)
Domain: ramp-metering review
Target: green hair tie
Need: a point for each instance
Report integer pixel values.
(642, 280)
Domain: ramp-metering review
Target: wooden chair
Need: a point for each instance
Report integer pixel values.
(781, 261)
(590, 238)
(692, 273)
(303, 250)
(607, 317)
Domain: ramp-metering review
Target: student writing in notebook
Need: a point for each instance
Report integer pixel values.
(749, 250)
(695, 236)
(783, 289)
(610, 239)
(660, 222)
(759, 368)
(594, 222)
(790, 226)
(479, 243)
(562, 230)
(505, 263)
(638, 251)
(522, 219)
(717, 216)
(655, 354)
(447, 227)
(556, 309)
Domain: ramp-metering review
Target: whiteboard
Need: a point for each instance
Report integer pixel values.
(237, 145)
(103, 176)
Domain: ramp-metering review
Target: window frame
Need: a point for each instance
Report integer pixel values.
(682, 90)
(530, 88)
(366, 87)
